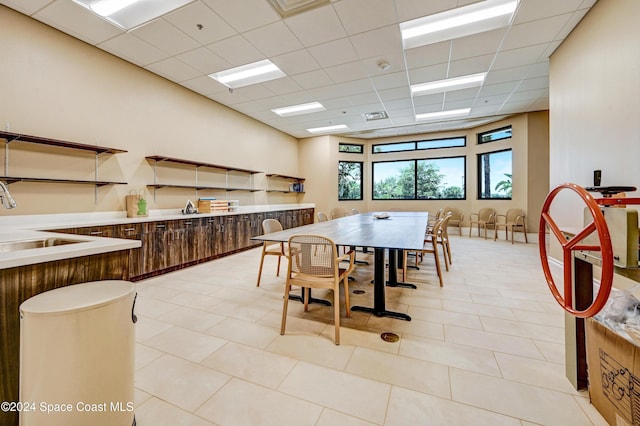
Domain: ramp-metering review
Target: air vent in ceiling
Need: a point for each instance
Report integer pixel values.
(378, 115)
(288, 8)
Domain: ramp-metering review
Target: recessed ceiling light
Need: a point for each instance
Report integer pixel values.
(328, 129)
(448, 84)
(443, 114)
(246, 75)
(462, 21)
(299, 109)
(128, 14)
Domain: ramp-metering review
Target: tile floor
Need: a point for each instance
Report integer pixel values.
(486, 349)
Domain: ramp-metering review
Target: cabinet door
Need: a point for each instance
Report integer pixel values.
(308, 216)
(155, 247)
(132, 232)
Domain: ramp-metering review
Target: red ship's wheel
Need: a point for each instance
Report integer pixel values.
(568, 246)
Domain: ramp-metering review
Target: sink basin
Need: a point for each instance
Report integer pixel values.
(10, 246)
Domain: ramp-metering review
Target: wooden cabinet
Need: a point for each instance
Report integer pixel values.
(172, 244)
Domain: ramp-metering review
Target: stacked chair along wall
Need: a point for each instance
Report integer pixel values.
(456, 218)
(314, 263)
(322, 217)
(337, 212)
(515, 221)
(485, 219)
(271, 248)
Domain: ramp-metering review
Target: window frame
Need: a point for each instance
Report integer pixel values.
(416, 142)
(479, 177)
(361, 163)
(480, 135)
(341, 144)
(415, 178)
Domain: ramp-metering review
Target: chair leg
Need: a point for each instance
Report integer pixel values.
(347, 304)
(278, 270)
(524, 231)
(336, 312)
(437, 258)
(260, 269)
(287, 290)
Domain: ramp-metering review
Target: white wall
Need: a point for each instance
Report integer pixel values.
(595, 104)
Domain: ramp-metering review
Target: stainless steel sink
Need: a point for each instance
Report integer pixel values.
(10, 246)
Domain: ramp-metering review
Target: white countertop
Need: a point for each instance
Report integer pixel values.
(32, 227)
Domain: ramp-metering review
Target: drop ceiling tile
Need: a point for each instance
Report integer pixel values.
(173, 69)
(535, 32)
(297, 62)
(426, 74)
(435, 99)
(312, 79)
(539, 69)
(540, 9)
(77, 21)
(395, 94)
(236, 50)
(517, 57)
(468, 66)
(358, 16)
(497, 89)
(316, 26)
(244, 15)
(491, 100)
(534, 83)
(540, 105)
(273, 39)
(166, 37)
(204, 85)
(412, 9)
(227, 98)
(334, 52)
(378, 43)
(529, 95)
(204, 60)
(28, 7)
(398, 106)
(464, 94)
(188, 18)
(133, 49)
(282, 85)
(506, 75)
(570, 24)
(346, 72)
(477, 44)
(342, 89)
(390, 81)
(428, 55)
(254, 92)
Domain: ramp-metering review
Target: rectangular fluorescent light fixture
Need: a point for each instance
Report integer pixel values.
(299, 109)
(460, 22)
(449, 84)
(128, 14)
(443, 114)
(328, 129)
(246, 75)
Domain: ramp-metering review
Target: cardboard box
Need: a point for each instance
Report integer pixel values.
(209, 206)
(613, 365)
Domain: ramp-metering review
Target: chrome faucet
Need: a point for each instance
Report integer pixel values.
(5, 196)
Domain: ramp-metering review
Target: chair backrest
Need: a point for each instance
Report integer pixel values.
(486, 214)
(444, 225)
(271, 225)
(455, 213)
(512, 215)
(322, 217)
(438, 214)
(337, 212)
(355, 211)
(309, 255)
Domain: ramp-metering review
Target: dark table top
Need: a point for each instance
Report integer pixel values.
(401, 230)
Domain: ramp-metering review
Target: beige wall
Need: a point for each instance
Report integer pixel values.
(59, 87)
(529, 146)
(595, 104)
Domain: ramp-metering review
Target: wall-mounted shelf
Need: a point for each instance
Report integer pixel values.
(198, 164)
(11, 137)
(297, 182)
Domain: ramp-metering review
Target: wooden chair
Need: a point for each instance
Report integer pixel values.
(513, 220)
(355, 211)
(270, 248)
(313, 268)
(433, 218)
(485, 219)
(442, 238)
(322, 217)
(456, 218)
(430, 247)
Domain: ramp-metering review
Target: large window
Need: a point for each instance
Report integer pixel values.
(434, 178)
(494, 175)
(349, 180)
(419, 145)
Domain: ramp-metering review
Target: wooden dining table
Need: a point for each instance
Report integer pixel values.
(393, 234)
